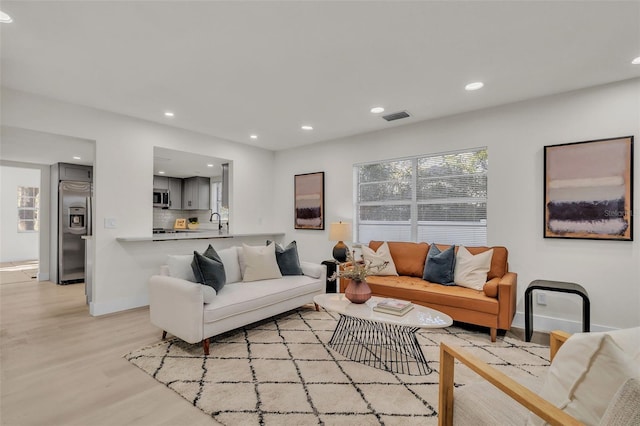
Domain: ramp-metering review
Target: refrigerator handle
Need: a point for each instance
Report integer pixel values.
(89, 223)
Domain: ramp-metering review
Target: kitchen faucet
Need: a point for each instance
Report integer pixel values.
(219, 220)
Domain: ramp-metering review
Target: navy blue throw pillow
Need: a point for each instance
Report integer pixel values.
(287, 258)
(208, 269)
(439, 265)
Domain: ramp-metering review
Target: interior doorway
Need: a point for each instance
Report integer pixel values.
(20, 217)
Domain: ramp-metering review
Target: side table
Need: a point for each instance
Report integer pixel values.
(560, 286)
(331, 265)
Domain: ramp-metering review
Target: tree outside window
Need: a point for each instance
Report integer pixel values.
(28, 208)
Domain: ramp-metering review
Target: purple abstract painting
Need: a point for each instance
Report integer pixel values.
(588, 189)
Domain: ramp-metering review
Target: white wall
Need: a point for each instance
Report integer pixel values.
(14, 245)
(515, 136)
(123, 184)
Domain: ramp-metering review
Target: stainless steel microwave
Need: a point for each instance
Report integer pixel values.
(161, 198)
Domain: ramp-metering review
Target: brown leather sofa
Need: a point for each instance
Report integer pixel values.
(492, 307)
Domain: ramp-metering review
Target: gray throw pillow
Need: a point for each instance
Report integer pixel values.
(440, 265)
(208, 269)
(287, 258)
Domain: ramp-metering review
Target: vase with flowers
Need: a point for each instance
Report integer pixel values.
(357, 290)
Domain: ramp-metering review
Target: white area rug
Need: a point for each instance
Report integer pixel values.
(282, 372)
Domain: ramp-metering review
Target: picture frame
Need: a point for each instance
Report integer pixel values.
(309, 201)
(588, 190)
(180, 224)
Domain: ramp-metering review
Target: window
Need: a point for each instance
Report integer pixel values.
(28, 205)
(216, 200)
(433, 198)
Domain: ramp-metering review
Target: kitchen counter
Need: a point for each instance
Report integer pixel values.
(195, 235)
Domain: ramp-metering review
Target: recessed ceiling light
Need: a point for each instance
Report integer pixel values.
(161, 172)
(4, 18)
(636, 61)
(209, 165)
(306, 127)
(169, 114)
(474, 86)
(377, 110)
(75, 157)
(254, 136)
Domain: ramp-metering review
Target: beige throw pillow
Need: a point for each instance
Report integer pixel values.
(471, 271)
(585, 375)
(260, 263)
(378, 257)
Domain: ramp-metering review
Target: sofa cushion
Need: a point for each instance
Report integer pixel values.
(408, 258)
(440, 265)
(209, 269)
(430, 294)
(239, 298)
(261, 263)
(180, 267)
(379, 257)
(585, 375)
(229, 257)
(471, 270)
(287, 258)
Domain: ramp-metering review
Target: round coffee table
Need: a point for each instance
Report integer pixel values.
(381, 340)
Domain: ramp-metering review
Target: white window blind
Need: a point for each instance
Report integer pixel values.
(439, 198)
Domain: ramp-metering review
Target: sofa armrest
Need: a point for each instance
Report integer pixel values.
(524, 396)
(507, 294)
(176, 306)
(314, 270)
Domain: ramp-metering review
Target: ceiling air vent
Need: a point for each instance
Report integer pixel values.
(396, 116)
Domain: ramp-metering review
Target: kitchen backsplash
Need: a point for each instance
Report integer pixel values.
(165, 218)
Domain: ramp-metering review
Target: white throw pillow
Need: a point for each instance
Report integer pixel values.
(585, 375)
(260, 262)
(471, 270)
(378, 257)
(180, 267)
(229, 257)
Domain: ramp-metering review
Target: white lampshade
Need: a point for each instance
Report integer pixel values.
(340, 231)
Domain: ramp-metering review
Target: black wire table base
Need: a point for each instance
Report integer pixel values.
(388, 347)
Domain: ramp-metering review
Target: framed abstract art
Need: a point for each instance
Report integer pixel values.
(588, 190)
(309, 201)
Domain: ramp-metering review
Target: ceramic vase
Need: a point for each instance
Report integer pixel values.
(357, 291)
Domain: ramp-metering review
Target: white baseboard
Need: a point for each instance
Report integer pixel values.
(103, 308)
(546, 324)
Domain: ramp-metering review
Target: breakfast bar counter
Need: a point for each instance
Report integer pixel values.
(195, 235)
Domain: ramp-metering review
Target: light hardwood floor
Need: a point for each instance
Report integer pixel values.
(61, 366)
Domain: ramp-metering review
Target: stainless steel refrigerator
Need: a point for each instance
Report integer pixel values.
(74, 221)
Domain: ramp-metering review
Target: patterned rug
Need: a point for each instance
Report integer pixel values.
(282, 372)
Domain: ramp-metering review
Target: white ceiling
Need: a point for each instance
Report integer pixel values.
(28, 146)
(229, 69)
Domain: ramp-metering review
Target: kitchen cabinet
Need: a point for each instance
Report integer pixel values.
(175, 193)
(196, 193)
(75, 172)
(160, 182)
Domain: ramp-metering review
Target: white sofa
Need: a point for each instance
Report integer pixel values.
(177, 306)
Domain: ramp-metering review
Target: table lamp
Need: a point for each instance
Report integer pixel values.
(339, 231)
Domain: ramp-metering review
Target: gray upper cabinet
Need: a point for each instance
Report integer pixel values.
(175, 194)
(160, 182)
(196, 194)
(75, 172)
